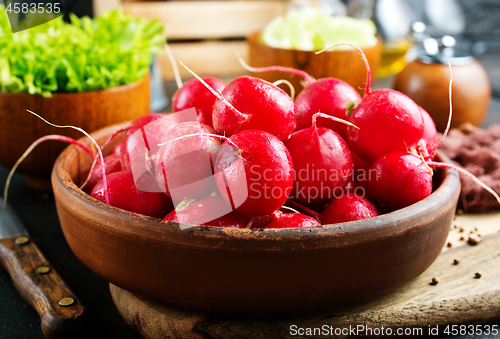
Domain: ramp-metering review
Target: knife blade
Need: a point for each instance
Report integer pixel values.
(61, 313)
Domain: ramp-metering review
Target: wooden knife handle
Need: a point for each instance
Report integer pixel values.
(40, 285)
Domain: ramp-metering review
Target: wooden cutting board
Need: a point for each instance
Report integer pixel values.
(460, 297)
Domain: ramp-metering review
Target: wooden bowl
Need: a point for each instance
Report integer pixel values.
(251, 271)
(345, 65)
(428, 85)
(88, 110)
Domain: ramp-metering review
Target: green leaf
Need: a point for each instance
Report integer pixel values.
(84, 55)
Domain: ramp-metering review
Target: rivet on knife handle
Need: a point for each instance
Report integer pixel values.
(40, 285)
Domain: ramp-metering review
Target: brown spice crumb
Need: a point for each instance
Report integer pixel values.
(475, 229)
(462, 238)
(449, 244)
(460, 211)
(471, 231)
(461, 229)
(473, 240)
(456, 261)
(455, 226)
(435, 281)
(477, 275)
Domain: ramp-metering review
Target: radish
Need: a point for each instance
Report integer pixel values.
(112, 163)
(184, 161)
(322, 162)
(249, 103)
(360, 167)
(125, 193)
(328, 95)
(401, 179)
(116, 149)
(287, 220)
(265, 107)
(256, 179)
(348, 207)
(195, 94)
(427, 144)
(209, 212)
(388, 120)
(134, 145)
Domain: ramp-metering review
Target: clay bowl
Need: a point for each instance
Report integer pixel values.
(345, 65)
(251, 271)
(89, 110)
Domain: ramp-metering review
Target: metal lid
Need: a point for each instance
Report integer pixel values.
(440, 50)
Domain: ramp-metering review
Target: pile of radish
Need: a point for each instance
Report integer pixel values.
(254, 155)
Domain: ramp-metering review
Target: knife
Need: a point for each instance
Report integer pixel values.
(61, 313)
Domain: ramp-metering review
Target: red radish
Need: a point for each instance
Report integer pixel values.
(116, 149)
(359, 166)
(256, 179)
(329, 96)
(124, 193)
(401, 179)
(287, 220)
(249, 103)
(265, 107)
(184, 161)
(427, 144)
(195, 94)
(322, 162)
(348, 207)
(209, 212)
(135, 145)
(388, 121)
(112, 163)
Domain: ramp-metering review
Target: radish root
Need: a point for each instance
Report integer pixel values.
(28, 151)
(368, 71)
(323, 115)
(470, 175)
(298, 72)
(171, 57)
(289, 84)
(105, 181)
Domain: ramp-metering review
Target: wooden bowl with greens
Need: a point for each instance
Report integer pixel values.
(87, 73)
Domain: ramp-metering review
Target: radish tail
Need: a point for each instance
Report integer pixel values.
(367, 65)
(205, 134)
(295, 71)
(105, 181)
(177, 75)
(449, 115)
(468, 174)
(30, 149)
(289, 84)
(323, 115)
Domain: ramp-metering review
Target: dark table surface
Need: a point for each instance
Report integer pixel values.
(38, 213)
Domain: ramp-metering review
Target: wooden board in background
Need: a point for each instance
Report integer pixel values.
(459, 298)
(203, 19)
(206, 58)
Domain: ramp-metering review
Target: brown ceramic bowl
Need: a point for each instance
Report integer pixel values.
(89, 110)
(251, 271)
(345, 65)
